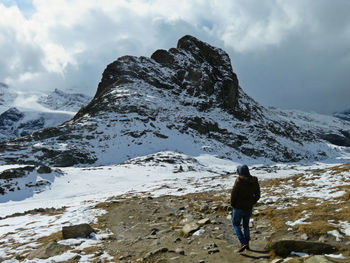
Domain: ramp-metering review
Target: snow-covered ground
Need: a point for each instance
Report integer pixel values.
(80, 189)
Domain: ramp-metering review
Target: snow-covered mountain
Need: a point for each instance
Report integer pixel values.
(186, 99)
(7, 97)
(59, 100)
(17, 119)
(344, 115)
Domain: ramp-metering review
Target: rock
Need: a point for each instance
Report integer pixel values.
(180, 251)
(277, 260)
(163, 57)
(199, 232)
(190, 228)
(283, 248)
(317, 259)
(75, 231)
(76, 258)
(16, 172)
(322, 239)
(213, 251)
(50, 250)
(204, 208)
(304, 237)
(154, 231)
(177, 240)
(211, 246)
(203, 222)
(43, 169)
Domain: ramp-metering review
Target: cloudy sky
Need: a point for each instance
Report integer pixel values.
(287, 53)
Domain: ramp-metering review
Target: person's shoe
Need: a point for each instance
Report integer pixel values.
(242, 248)
(247, 247)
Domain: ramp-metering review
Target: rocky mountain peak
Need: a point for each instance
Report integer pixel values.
(194, 68)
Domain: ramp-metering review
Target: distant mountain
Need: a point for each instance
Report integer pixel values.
(59, 107)
(7, 97)
(15, 123)
(185, 99)
(59, 100)
(344, 115)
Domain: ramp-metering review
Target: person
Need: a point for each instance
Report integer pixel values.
(245, 193)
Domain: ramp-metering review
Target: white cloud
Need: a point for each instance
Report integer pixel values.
(68, 43)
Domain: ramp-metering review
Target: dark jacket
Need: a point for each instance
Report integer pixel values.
(245, 192)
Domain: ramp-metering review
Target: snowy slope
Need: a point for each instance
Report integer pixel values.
(188, 100)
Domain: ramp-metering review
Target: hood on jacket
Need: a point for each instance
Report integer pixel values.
(243, 170)
(242, 179)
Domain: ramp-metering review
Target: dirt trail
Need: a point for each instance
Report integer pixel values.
(151, 229)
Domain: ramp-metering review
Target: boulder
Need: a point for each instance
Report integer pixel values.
(283, 248)
(76, 231)
(43, 169)
(190, 228)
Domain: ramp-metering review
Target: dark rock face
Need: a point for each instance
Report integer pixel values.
(16, 172)
(76, 231)
(11, 125)
(342, 139)
(10, 116)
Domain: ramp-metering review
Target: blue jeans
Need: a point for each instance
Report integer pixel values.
(239, 215)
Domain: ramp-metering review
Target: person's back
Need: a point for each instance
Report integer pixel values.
(245, 193)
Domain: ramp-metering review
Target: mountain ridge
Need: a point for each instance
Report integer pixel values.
(186, 99)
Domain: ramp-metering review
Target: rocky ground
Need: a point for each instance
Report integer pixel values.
(190, 228)
(196, 227)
